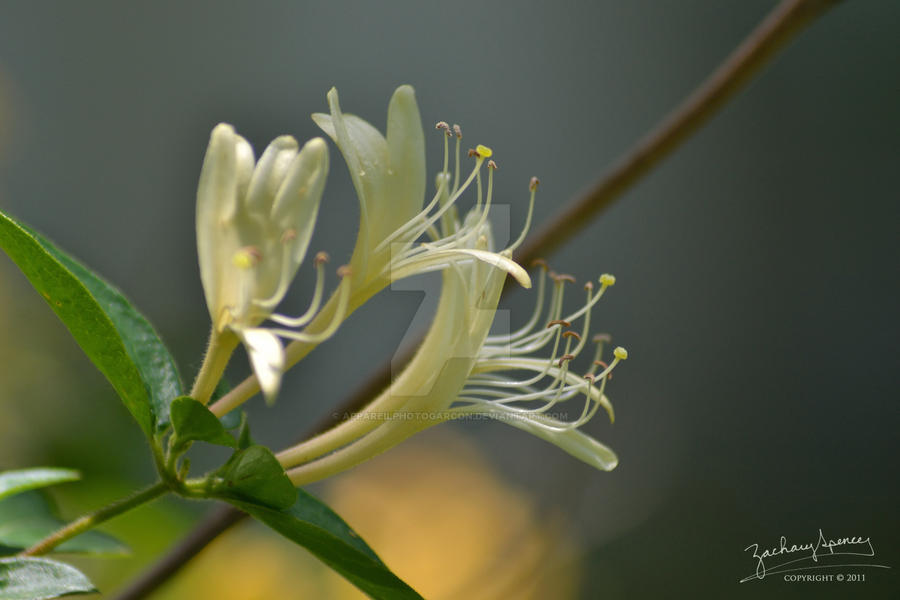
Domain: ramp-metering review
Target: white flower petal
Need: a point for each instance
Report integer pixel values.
(270, 171)
(297, 202)
(406, 148)
(216, 203)
(267, 357)
(578, 444)
(388, 174)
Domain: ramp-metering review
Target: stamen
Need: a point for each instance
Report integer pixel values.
(538, 305)
(458, 132)
(418, 226)
(533, 187)
(339, 314)
(563, 277)
(319, 262)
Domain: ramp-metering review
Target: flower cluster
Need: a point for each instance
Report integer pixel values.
(254, 226)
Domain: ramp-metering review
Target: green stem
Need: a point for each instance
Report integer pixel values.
(93, 519)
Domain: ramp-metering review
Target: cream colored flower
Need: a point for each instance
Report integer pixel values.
(254, 224)
(459, 370)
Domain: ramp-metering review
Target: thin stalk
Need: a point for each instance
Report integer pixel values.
(95, 518)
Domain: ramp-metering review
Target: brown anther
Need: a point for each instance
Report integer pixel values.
(540, 262)
(564, 357)
(562, 277)
(321, 258)
(602, 337)
(458, 131)
(288, 235)
(472, 152)
(442, 125)
(344, 271)
(589, 286)
(589, 377)
(534, 183)
(605, 366)
(492, 164)
(254, 253)
(558, 322)
(567, 334)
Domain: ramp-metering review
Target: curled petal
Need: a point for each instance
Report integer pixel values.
(578, 444)
(440, 259)
(267, 358)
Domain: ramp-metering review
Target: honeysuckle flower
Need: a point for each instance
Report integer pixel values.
(388, 174)
(459, 370)
(254, 224)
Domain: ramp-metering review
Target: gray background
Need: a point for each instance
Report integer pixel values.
(757, 279)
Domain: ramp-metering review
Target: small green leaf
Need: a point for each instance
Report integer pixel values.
(255, 475)
(114, 335)
(231, 420)
(244, 439)
(28, 578)
(16, 482)
(311, 524)
(30, 517)
(192, 422)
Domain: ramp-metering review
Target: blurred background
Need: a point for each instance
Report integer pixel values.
(757, 281)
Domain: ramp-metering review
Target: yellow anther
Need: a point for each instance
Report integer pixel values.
(620, 353)
(484, 151)
(246, 258)
(607, 279)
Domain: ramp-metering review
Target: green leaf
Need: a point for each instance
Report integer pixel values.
(114, 335)
(16, 482)
(232, 420)
(28, 578)
(311, 524)
(192, 421)
(30, 517)
(255, 475)
(244, 439)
